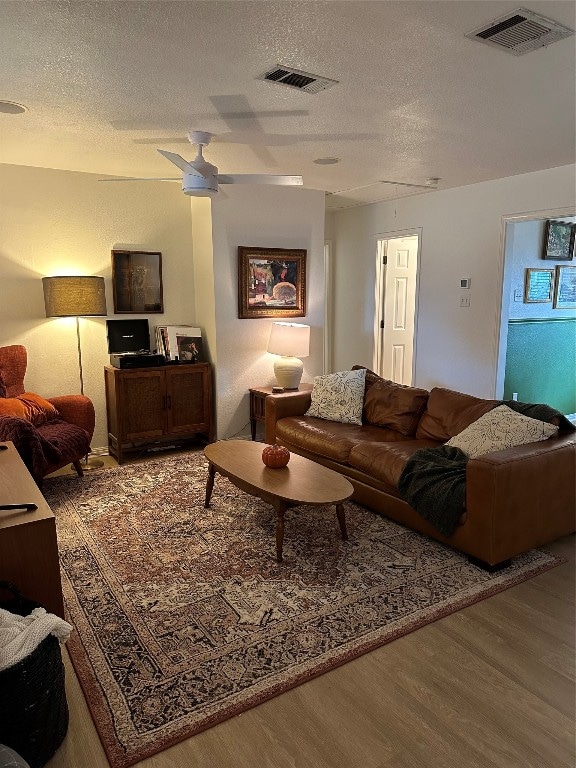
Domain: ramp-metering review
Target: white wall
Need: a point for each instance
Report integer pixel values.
(462, 231)
(271, 217)
(60, 222)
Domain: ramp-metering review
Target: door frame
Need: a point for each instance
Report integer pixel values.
(378, 239)
(328, 348)
(501, 324)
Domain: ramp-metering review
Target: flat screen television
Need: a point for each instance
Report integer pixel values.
(127, 336)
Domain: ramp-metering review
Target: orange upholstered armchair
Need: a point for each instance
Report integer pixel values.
(48, 433)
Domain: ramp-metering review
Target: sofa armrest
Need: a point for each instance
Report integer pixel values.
(279, 406)
(76, 409)
(527, 492)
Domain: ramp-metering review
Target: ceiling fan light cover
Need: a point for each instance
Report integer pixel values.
(198, 186)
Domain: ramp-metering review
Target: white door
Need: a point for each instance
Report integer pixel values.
(397, 269)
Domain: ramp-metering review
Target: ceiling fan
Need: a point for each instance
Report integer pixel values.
(201, 178)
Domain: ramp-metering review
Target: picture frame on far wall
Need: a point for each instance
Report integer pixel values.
(538, 285)
(559, 241)
(137, 282)
(565, 289)
(271, 282)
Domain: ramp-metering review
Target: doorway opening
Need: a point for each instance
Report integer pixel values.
(536, 343)
(397, 258)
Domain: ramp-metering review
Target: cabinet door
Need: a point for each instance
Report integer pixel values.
(189, 398)
(142, 401)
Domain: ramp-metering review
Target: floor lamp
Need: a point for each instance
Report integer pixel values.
(76, 297)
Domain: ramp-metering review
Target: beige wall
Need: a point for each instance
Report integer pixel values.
(61, 222)
(462, 232)
(266, 216)
(58, 222)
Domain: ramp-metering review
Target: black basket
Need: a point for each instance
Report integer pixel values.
(33, 706)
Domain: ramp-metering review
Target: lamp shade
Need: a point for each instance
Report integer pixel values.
(74, 296)
(289, 340)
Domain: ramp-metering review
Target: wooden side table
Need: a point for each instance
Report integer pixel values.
(258, 397)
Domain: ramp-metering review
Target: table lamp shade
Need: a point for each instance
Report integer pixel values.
(290, 341)
(74, 296)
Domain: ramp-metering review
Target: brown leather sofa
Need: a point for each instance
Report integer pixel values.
(516, 499)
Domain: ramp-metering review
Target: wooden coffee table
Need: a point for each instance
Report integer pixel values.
(301, 482)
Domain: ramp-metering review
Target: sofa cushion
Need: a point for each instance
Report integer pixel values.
(338, 397)
(330, 439)
(498, 429)
(385, 461)
(2, 387)
(387, 404)
(29, 406)
(448, 413)
(392, 405)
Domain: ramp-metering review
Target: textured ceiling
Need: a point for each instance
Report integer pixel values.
(106, 83)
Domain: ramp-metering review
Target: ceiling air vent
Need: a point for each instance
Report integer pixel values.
(520, 32)
(295, 78)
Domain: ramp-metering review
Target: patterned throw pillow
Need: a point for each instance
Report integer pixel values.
(498, 429)
(338, 397)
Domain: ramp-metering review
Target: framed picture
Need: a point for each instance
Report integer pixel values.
(559, 241)
(565, 291)
(185, 343)
(271, 282)
(538, 285)
(137, 282)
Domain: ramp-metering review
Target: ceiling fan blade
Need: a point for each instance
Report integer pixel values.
(162, 140)
(138, 178)
(256, 178)
(184, 165)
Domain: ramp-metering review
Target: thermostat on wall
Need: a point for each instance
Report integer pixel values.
(465, 282)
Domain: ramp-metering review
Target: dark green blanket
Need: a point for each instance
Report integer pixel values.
(433, 480)
(434, 483)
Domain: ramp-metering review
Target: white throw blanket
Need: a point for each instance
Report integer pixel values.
(20, 635)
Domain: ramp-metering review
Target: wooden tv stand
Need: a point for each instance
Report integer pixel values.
(28, 544)
(158, 406)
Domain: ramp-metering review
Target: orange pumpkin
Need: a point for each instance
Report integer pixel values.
(275, 456)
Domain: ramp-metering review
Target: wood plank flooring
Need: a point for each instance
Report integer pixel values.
(492, 686)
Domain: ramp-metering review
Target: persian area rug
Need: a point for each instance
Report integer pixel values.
(183, 618)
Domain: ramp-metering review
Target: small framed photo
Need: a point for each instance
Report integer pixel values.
(185, 343)
(137, 282)
(565, 290)
(559, 241)
(190, 349)
(538, 285)
(271, 282)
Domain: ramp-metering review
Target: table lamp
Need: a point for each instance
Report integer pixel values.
(76, 297)
(290, 341)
